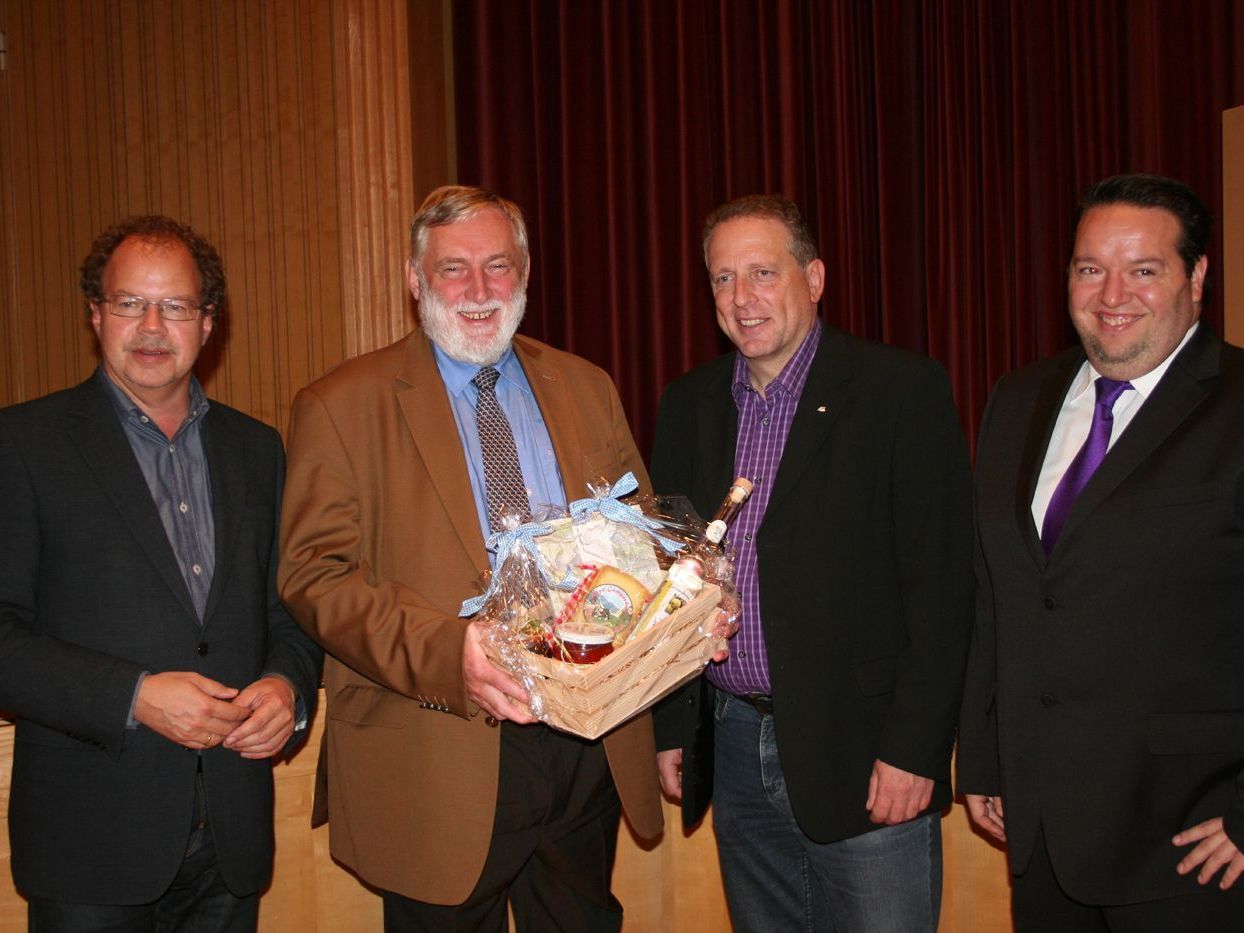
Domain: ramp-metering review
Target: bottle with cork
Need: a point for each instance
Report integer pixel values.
(686, 574)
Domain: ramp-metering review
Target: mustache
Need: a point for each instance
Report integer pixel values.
(149, 346)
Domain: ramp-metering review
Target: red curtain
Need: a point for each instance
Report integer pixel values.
(937, 149)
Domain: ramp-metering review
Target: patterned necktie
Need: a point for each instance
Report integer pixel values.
(503, 476)
(1086, 461)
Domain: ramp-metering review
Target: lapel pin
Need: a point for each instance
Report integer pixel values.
(821, 409)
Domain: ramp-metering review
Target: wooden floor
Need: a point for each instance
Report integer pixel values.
(672, 886)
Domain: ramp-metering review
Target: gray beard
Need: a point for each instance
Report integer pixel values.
(437, 320)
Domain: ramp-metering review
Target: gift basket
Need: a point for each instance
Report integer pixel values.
(601, 612)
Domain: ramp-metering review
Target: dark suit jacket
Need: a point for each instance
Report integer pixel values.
(90, 596)
(864, 561)
(1105, 697)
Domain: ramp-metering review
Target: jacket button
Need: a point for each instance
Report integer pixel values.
(1048, 700)
(1051, 602)
(203, 649)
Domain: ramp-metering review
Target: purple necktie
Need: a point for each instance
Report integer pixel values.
(1086, 461)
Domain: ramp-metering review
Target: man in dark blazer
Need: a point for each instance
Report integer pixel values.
(150, 668)
(825, 738)
(1102, 732)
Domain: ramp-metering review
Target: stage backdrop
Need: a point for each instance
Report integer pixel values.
(936, 148)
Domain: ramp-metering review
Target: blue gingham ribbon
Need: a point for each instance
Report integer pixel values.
(609, 506)
(505, 543)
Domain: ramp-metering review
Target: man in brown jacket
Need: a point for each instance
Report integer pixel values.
(440, 789)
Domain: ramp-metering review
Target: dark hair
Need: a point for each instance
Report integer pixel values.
(774, 207)
(155, 228)
(1167, 194)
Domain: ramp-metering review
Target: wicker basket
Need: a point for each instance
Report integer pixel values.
(590, 699)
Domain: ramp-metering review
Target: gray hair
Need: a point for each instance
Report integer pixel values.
(450, 204)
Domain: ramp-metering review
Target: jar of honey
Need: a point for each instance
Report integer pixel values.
(584, 644)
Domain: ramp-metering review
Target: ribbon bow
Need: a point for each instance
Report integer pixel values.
(609, 506)
(505, 543)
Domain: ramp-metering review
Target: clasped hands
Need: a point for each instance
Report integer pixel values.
(1214, 849)
(198, 712)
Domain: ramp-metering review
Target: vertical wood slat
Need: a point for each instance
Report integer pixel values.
(1232, 214)
(373, 97)
(281, 131)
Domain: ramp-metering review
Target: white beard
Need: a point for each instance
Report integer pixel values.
(440, 323)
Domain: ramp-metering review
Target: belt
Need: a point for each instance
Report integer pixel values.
(760, 702)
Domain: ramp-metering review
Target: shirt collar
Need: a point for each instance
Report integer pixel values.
(126, 407)
(1144, 385)
(793, 376)
(457, 375)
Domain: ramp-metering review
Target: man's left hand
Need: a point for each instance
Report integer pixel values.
(271, 723)
(895, 795)
(1214, 850)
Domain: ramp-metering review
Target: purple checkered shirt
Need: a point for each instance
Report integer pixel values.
(764, 424)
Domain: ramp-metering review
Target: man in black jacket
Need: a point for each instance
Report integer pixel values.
(151, 669)
(1102, 734)
(825, 738)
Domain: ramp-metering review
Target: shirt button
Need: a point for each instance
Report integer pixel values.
(172, 449)
(1051, 602)
(184, 508)
(764, 421)
(747, 537)
(742, 654)
(1048, 700)
(144, 419)
(197, 569)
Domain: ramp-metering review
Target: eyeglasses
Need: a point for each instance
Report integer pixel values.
(171, 309)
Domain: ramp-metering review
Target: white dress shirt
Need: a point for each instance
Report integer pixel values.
(1076, 416)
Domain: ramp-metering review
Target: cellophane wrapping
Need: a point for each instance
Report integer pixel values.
(534, 586)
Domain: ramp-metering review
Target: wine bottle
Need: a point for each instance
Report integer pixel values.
(686, 575)
(715, 531)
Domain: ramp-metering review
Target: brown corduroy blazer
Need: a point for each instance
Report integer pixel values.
(380, 545)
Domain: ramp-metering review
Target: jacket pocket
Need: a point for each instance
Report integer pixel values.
(369, 706)
(1219, 732)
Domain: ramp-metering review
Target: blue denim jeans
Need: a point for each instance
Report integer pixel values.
(885, 881)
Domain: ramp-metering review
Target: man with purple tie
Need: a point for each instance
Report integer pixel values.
(1102, 731)
(824, 739)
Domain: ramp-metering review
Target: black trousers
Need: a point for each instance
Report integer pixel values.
(1040, 905)
(553, 844)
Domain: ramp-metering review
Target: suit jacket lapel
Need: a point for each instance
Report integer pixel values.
(101, 441)
(1048, 404)
(822, 398)
(226, 464)
(425, 408)
(716, 432)
(1182, 388)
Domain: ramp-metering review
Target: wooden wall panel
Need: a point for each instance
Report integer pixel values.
(1232, 277)
(280, 130)
(374, 92)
